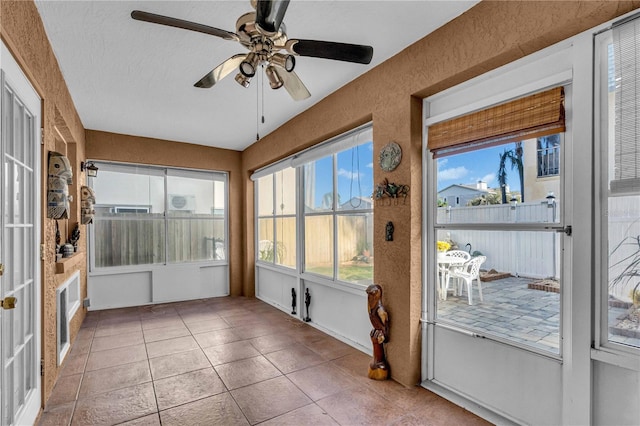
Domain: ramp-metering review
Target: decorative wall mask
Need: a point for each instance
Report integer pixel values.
(60, 177)
(87, 200)
(390, 156)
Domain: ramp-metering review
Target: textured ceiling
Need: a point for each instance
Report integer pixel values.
(136, 78)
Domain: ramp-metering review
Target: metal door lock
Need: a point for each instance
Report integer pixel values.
(8, 302)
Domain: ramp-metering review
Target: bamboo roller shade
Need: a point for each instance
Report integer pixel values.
(537, 115)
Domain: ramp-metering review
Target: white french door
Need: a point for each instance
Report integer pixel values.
(20, 394)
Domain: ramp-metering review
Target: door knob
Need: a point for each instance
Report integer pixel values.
(8, 302)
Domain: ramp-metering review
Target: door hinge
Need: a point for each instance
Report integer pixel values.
(41, 366)
(41, 251)
(42, 136)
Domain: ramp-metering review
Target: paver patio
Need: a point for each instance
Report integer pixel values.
(509, 311)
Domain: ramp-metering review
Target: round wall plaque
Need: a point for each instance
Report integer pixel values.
(390, 156)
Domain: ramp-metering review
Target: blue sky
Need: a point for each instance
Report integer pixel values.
(470, 167)
(466, 168)
(350, 166)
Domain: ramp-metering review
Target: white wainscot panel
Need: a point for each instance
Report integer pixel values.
(341, 311)
(275, 287)
(119, 290)
(515, 383)
(175, 283)
(616, 392)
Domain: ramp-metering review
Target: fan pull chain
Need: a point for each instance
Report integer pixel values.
(262, 85)
(257, 111)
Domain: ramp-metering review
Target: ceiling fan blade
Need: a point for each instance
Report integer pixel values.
(220, 72)
(180, 23)
(331, 50)
(295, 87)
(269, 15)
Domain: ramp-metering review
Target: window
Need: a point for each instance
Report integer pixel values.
(498, 256)
(151, 215)
(549, 155)
(338, 212)
(619, 167)
(276, 195)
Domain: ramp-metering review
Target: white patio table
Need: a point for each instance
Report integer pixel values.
(446, 261)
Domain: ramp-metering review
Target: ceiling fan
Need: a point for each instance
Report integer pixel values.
(263, 33)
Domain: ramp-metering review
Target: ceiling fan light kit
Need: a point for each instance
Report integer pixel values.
(275, 81)
(264, 34)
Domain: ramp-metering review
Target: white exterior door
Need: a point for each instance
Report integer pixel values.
(20, 394)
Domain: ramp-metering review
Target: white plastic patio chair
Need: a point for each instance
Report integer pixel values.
(468, 272)
(449, 261)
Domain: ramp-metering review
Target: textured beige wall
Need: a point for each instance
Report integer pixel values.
(491, 34)
(133, 149)
(22, 31)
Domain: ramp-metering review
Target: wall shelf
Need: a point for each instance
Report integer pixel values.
(67, 264)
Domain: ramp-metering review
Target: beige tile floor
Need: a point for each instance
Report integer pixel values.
(227, 361)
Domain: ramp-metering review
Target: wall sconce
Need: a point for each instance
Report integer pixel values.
(92, 169)
(551, 199)
(514, 203)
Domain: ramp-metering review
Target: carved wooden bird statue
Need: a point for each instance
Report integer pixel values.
(377, 314)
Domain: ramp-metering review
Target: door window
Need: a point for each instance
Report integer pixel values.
(497, 251)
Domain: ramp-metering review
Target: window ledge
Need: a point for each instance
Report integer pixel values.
(617, 358)
(66, 264)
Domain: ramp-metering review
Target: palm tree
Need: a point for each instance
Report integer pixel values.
(516, 161)
(502, 175)
(515, 158)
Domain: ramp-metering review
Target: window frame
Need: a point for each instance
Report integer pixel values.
(165, 172)
(544, 157)
(274, 216)
(603, 348)
(334, 212)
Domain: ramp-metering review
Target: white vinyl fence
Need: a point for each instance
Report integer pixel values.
(521, 253)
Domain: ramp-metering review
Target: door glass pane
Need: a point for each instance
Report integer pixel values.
(18, 130)
(518, 273)
(28, 308)
(18, 325)
(498, 184)
(355, 177)
(7, 333)
(355, 242)
(18, 380)
(318, 244)
(29, 200)
(30, 254)
(29, 376)
(501, 283)
(18, 256)
(7, 120)
(18, 195)
(318, 185)
(9, 185)
(8, 277)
